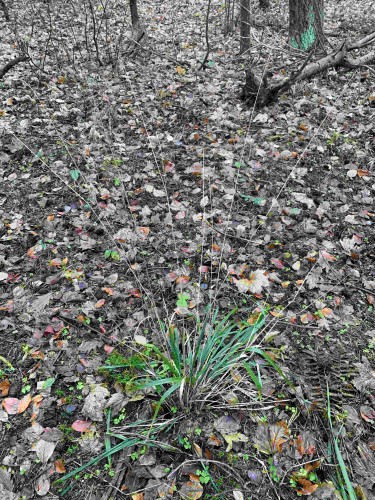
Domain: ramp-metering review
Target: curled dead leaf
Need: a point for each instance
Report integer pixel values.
(191, 490)
(305, 486)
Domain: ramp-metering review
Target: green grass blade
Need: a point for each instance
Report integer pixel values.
(107, 439)
(165, 359)
(95, 460)
(272, 363)
(340, 460)
(167, 393)
(162, 381)
(255, 378)
(174, 345)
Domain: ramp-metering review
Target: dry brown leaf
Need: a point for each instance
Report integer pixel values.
(24, 403)
(4, 387)
(59, 466)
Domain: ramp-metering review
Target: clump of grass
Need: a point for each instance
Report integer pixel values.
(190, 369)
(125, 370)
(196, 367)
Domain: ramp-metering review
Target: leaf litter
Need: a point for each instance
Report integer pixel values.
(151, 193)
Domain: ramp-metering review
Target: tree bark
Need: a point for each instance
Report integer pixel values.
(134, 13)
(306, 23)
(245, 26)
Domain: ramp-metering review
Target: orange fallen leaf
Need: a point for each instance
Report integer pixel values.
(182, 279)
(362, 173)
(4, 387)
(311, 259)
(37, 399)
(100, 303)
(38, 355)
(59, 466)
(276, 314)
(194, 477)
(285, 284)
(191, 490)
(31, 253)
(196, 169)
(55, 263)
(138, 496)
(24, 403)
(198, 450)
(214, 441)
(326, 311)
(313, 465)
(328, 256)
(305, 486)
(144, 230)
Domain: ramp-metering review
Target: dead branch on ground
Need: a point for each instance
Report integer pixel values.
(4, 70)
(257, 90)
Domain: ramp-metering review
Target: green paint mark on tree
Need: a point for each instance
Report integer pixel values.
(308, 37)
(294, 43)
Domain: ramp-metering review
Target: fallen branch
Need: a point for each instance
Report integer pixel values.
(258, 91)
(11, 64)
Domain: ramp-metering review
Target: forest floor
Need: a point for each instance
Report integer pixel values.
(142, 196)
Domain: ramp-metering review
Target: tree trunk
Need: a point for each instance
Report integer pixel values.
(245, 26)
(134, 13)
(264, 4)
(306, 23)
